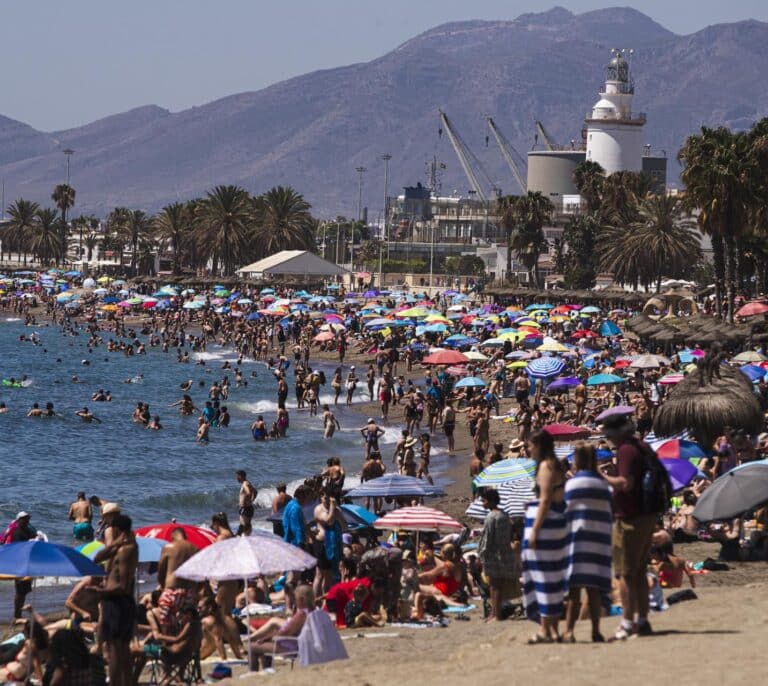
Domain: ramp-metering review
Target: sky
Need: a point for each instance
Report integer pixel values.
(65, 64)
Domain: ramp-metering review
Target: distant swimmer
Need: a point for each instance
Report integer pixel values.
(154, 423)
(186, 385)
(202, 431)
(35, 411)
(185, 405)
(49, 410)
(99, 396)
(3, 408)
(87, 416)
(76, 379)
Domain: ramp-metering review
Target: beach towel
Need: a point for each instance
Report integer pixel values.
(319, 640)
(590, 521)
(545, 567)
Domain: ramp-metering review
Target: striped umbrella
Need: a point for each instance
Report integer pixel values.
(513, 496)
(671, 379)
(505, 471)
(545, 367)
(418, 518)
(394, 486)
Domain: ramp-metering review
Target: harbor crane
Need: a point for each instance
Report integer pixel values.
(466, 159)
(506, 151)
(541, 131)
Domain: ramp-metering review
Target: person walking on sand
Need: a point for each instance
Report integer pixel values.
(496, 553)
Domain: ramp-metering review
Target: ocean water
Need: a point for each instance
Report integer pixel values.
(154, 475)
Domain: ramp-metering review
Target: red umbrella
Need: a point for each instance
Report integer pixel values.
(622, 364)
(584, 333)
(197, 536)
(751, 309)
(446, 357)
(567, 431)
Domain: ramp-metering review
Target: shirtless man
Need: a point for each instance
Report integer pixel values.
(203, 430)
(83, 601)
(371, 433)
(373, 468)
(35, 411)
(246, 499)
(330, 423)
(328, 541)
(118, 607)
(580, 396)
(522, 387)
(281, 499)
(81, 514)
(177, 592)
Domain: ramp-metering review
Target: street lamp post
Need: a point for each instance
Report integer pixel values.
(360, 171)
(386, 157)
(431, 258)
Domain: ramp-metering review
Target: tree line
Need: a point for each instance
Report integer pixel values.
(225, 229)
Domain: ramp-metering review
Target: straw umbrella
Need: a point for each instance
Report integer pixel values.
(706, 409)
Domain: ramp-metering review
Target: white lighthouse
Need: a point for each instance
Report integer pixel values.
(614, 132)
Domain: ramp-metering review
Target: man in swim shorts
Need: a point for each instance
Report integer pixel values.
(246, 499)
(81, 514)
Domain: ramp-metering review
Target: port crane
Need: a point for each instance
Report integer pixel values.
(541, 131)
(506, 151)
(466, 159)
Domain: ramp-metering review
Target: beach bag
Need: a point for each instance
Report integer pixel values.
(656, 488)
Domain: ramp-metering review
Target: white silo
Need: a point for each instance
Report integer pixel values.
(614, 132)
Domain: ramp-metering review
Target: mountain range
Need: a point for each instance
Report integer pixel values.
(312, 131)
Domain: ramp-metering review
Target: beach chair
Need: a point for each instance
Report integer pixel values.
(164, 673)
(319, 641)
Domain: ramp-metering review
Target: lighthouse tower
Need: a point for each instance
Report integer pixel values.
(614, 132)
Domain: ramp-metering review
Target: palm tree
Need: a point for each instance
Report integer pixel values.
(172, 225)
(91, 242)
(22, 216)
(64, 197)
(44, 241)
(225, 219)
(283, 221)
(663, 240)
(137, 228)
(117, 227)
(719, 181)
(589, 177)
(533, 210)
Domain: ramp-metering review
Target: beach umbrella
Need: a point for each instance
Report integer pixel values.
(196, 535)
(590, 309)
(609, 328)
(677, 449)
(681, 472)
(567, 431)
(584, 333)
(749, 356)
(149, 548)
(604, 380)
(645, 362)
(517, 364)
(504, 471)
(550, 345)
(40, 558)
(418, 518)
(394, 486)
(545, 367)
(324, 336)
(751, 309)
(514, 496)
(445, 357)
(564, 382)
(734, 493)
(671, 379)
(475, 356)
(614, 411)
(470, 382)
(193, 305)
(752, 372)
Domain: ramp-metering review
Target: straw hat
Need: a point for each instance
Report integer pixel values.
(110, 508)
(516, 446)
(409, 443)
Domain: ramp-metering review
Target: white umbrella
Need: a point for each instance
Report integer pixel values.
(244, 557)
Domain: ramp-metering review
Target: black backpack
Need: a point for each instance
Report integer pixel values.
(656, 488)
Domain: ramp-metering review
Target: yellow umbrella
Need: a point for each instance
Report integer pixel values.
(529, 322)
(512, 335)
(517, 364)
(691, 368)
(105, 279)
(109, 308)
(437, 318)
(412, 312)
(550, 345)
(558, 319)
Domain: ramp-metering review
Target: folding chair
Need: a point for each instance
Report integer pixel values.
(163, 673)
(286, 649)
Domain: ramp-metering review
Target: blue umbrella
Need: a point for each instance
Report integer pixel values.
(609, 328)
(591, 309)
(604, 380)
(366, 517)
(38, 559)
(470, 382)
(545, 367)
(752, 372)
(394, 486)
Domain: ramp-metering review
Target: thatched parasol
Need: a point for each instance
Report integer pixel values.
(706, 410)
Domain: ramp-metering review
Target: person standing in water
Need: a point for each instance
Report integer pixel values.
(330, 423)
(81, 514)
(246, 501)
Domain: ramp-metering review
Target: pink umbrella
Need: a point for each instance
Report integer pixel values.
(324, 336)
(671, 379)
(418, 518)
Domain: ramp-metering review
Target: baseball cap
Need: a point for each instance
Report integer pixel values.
(21, 515)
(371, 420)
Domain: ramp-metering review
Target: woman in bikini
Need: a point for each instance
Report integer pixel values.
(440, 583)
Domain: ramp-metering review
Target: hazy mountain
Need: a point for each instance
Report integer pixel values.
(312, 131)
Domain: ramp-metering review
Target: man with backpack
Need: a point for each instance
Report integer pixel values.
(640, 487)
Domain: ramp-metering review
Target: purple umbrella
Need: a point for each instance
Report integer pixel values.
(564, 382)
(614, 411)
(681, 472)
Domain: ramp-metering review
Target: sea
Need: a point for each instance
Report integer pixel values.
(155, 476)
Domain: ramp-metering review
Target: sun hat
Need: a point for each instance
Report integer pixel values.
(516, 445)
(22, 515)
(410, 441)
(110, 508)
